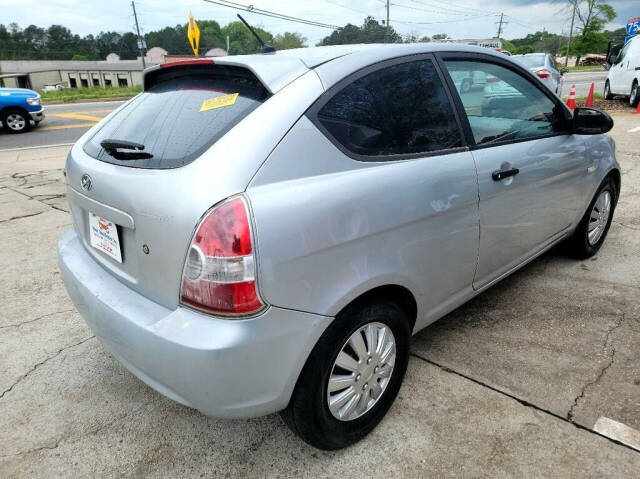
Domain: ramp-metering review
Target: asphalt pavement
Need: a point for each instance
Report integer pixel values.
(537, 377)
(582, 81)
(63, 124)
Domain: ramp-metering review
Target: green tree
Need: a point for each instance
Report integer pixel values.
(288, 40)
(241, 41)
(415, 38)
(210, 35)
(593, 15)
(370, 32)
(440, 36)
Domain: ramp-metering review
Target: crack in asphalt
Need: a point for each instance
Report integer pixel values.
(22, 216)
(91, 432)
(522, 401)
(17, 325)
(40, 198)
(24, 376)
(603, 370)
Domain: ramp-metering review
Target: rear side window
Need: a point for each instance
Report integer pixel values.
(401, 109)
(179, 117)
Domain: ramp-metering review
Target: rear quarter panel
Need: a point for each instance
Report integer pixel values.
(330, 228)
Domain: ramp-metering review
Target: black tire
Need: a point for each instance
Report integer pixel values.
(578, 244)
(607, 91)
(634, 95)
(308, 413)
(13, 113)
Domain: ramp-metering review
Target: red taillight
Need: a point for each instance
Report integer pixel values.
(219, 272)
(543, 73)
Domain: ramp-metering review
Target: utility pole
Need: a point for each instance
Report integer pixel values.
(140, 44)
(573, 17)
(388, 30)
(500, 23)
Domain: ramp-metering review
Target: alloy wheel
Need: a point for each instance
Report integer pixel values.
(361, 371)
(16, 122)
(599, 217)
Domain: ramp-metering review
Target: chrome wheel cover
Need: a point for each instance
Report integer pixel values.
(16, 122)
(361, 371)
(599, 217)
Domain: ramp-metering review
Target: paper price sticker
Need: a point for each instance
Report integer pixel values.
(219, 102)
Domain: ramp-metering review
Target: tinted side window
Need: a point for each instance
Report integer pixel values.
(502, 105)
(400, 109)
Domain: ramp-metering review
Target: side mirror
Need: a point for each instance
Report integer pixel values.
(564, 70)
(589, 121)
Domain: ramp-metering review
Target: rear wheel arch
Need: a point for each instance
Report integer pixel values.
(402, 297)
(617, 179)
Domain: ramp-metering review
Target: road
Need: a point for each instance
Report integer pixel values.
(582, 81)
(523, 381)
(63, 124)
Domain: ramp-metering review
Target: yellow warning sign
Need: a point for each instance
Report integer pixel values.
(219, 102)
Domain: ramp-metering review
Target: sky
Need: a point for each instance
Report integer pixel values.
(457, 18)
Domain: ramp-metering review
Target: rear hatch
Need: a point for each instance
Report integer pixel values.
(188, 128)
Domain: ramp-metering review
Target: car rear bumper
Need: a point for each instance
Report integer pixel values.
(37, 115)
(224, 368)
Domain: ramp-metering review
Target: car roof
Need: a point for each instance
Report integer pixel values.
(278, 69)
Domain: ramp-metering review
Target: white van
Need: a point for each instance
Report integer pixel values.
(624, 73)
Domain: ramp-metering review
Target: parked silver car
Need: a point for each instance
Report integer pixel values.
(544, 67)
(264, 233)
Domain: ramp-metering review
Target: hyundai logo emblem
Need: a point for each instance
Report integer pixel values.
(85, 182)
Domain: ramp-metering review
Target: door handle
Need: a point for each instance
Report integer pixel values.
(502, 174)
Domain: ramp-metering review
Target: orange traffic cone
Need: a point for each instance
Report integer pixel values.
(637, 109)
(589, 102)
(571, 101)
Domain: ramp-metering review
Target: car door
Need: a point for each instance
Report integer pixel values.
(532, 175)
(631, 62)
(618, 72)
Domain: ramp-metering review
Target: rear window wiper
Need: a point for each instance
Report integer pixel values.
(113, 147)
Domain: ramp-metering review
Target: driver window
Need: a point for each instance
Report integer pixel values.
(502, 105)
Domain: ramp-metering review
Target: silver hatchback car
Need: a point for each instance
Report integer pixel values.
(264, 233)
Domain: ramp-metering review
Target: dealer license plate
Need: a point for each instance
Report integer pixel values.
(104, 236)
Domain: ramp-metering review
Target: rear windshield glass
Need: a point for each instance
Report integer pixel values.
(177, 119)
(530, 61)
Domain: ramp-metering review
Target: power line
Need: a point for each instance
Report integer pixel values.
(267, 13)
(436, 12)
(450, 6)
(444, 21)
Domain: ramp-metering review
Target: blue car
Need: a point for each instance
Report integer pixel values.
(18, 108)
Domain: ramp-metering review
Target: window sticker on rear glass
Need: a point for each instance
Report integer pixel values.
(219, 102)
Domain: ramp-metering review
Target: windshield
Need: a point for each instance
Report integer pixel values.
(176, 120)
(530, 61)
